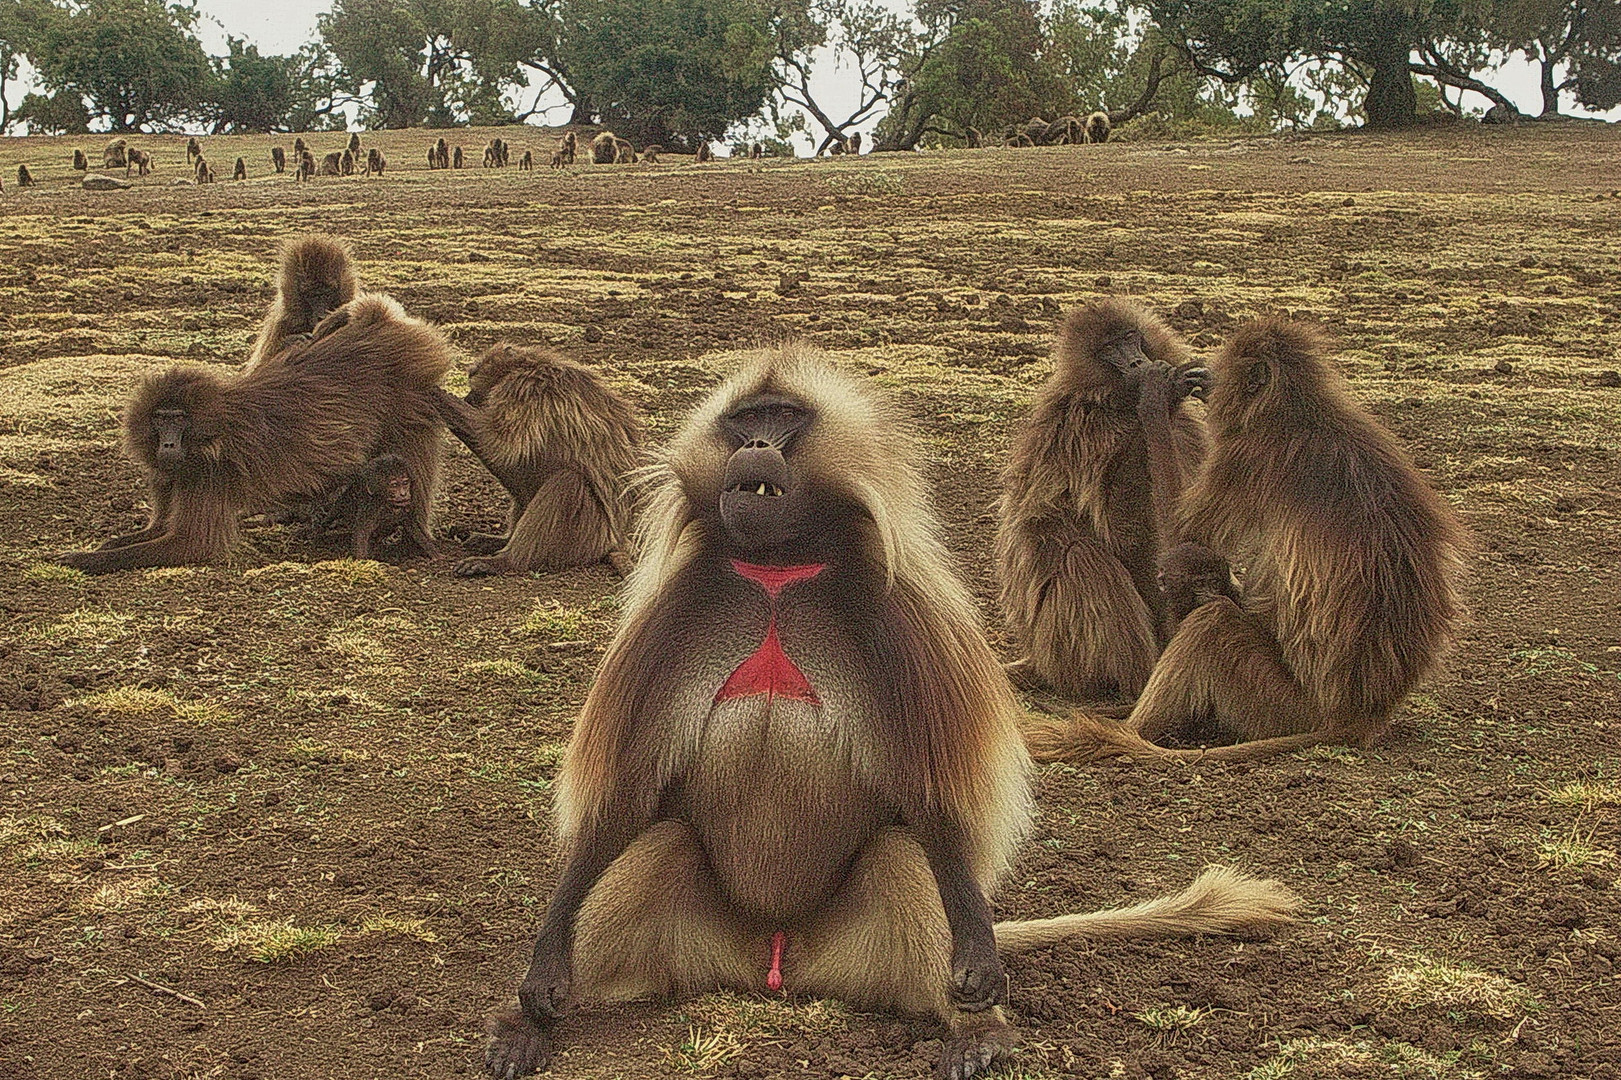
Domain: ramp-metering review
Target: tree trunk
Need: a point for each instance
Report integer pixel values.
(1550, 92)
(1392, 101)
(584, 112)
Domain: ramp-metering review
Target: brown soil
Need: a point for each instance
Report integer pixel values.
(347, 768)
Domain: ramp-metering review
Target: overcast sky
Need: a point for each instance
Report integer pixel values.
(282, 26)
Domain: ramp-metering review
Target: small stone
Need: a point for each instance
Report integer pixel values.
(593, 334)
(104, 183)
(1503, 367)
(1609, 378)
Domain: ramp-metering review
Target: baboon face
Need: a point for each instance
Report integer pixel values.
(1126, 353)
(764, 502)
(390, 482)
(171, 427)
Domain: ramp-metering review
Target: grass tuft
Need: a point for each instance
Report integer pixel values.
(354, 572)
(1425, 983)
(274, 941)
(53, 573)
(136, 701)
(551, 619)
(87, 627)
(1319, 1057)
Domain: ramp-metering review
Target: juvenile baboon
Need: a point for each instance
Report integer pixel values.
(799, 769)
(241, 170)
(375, 162)
(299, 146)
(278, 158)
(215, 448)
(650, 153)
(332, 164)
(24, 177)
(527, 162)
(354, 145)
(346, 163)
(115, 155)
(561, 442)
(604, 149)
(490, 157)
(80, 162)
(755, 151)
(1097, 128)
(375, 505)
(193, 150)
(202, 171)
(569, 146)
(1191, 576)
(306, 165)
(557, 159)
(704, 153)
(1351, 570)
(316, 277)
(139, 160)
(1088, 502)
(456, 159)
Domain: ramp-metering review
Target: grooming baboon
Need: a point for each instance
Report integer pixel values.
(375, 505)
(527, 162)
(624, 152)
(80, 162)
(1191, 576)
(375, 162)
(441, 151)
(1097, 128)
(346, 163)
(354, 145)
(193, 150)
(650, 153)
(755, 151)
(799, 768)
(456, 159)
(115, 155)
(215, 448)
(332, 164)
(704, 153)
(1088, 502)
(24, 177)
(560, 441)
(241, 170)
(202, 171)
(316, 277)
(306, 165)
(278, 158)
(604, 149)
(139, 160)
(1351, 570)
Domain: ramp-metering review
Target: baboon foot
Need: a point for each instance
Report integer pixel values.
(975, 1050)
(479, 543)
(476, 568)
(517, 1047)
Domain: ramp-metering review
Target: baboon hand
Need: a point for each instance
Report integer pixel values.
(544, 992)
(978, 981)
(1190, 381)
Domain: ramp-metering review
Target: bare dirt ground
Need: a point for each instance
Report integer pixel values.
(288, 818)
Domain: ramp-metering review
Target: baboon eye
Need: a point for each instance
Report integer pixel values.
(1258, 376)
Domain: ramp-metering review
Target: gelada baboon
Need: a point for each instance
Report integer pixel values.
(80, 162)
(1097, 128)
(441, 153)
(1352, 566)
(704, 153)
(568, 146)
(799, 768)
(624, 152)
(457, 161)
(527, 162)
(561, 442)
(278, 158)
(855, 143)
(24, 177)
(375, 162)
(139, 160)
(306, 165)
(299, 146)
(1191, 576)
(240, 172)
(604, 149)
(376, 505)
(755, 151)
(216, 448)
(346, 163)
(332, 164)
(557, 159)
(316, 278)
(354, 145)
(1063, 131)
(203, 172)
(650, 153)
(433, 158)
(490, 157)
(115, 155)
(1088, 502)
(193, 150)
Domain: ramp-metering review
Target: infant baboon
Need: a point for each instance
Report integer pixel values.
(24, 177)
(375, 506)
(375, 162)
(115, 155)
(80, 162)
(704, 153)
(193, 150)
(527, 162)
(241, 170)
(650, 153)
(278, 158)
(139, 160)
(1097, 127)
(332, 164)
(202, 171)
(346, 162)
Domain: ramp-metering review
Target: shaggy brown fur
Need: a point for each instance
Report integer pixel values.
(527, 162)
(138, 160)
(1098, 128)
(215, 448)
(278, 158)
(24, 177)
(457, 161)
(624, 152)
(203, 171)
(375, 162)
(604, 148)
(375, 505)
(306, 165)
(650, 153)
(332, 164)
(80, 162)
(354, 145)
(194, 150)
(316, 278)
(116, 155)
(561, 442)
(1352, 572)
(241, 170)
(346, 163)
(704, 153)
(1088, 502)
(799, 729)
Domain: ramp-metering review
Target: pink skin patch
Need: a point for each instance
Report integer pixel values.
(768, 670)
(773, 978)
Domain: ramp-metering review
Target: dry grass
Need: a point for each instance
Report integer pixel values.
(1425, 983)
(136, 701)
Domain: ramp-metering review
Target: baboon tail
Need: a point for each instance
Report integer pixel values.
(1220, 901)
(1081, 738)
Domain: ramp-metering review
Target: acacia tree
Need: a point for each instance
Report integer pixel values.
(135, 63)
(1575, 44)
(862, 36)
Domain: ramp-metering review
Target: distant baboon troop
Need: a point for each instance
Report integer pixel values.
(1066, 130)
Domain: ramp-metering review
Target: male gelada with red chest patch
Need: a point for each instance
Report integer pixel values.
(800, 768)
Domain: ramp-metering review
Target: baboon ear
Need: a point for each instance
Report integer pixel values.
(1256, 378)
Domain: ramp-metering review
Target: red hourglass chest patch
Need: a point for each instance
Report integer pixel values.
(768, 670)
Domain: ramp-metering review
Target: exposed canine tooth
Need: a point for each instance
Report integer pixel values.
(761, 490)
